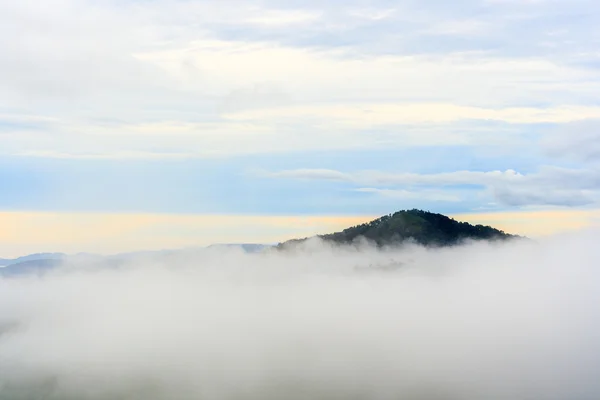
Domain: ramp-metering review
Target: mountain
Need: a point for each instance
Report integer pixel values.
(246, 247)
(40, 263)
(32, 257)
(31, 264)
(35, 266)
(423, 227)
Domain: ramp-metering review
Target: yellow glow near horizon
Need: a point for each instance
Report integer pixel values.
(29, 232)
(535, 223)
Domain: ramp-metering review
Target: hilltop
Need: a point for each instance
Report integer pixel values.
(423, 227)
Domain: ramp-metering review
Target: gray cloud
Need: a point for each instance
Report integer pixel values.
(527, 196)
(578, 141)
(548, 186)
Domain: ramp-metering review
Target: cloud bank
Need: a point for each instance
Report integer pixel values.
(482, 321)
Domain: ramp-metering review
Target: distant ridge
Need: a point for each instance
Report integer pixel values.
(41, 263)
(423, 227)
(32, 257)
(246, 247)
(36, 266)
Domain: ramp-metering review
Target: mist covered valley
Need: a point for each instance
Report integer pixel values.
(484, 320)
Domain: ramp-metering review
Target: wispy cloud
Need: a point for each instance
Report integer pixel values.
(283, 18)
(403, 194)
(375, 115)
(548, 186)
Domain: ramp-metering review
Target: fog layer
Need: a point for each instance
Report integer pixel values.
(482, 321)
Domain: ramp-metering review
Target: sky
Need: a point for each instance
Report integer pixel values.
(164, 123)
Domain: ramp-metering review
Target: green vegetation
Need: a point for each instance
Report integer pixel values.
(423, 227)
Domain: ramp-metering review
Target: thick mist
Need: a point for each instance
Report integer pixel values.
(515, 320)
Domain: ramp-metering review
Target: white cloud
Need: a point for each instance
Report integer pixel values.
(263, 95)
(386, 178)
(320, 174)
(283, 17)
(322, 75)
(112, 155)
(458, 27)
(282, 69)
(374, 14)
(374, 115)
(321, 324)
(284, 128)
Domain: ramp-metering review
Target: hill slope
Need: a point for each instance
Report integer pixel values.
(423, 227)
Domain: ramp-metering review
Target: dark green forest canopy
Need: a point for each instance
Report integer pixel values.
(423, 227)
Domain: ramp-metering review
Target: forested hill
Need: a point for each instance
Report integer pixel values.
(423, 227)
